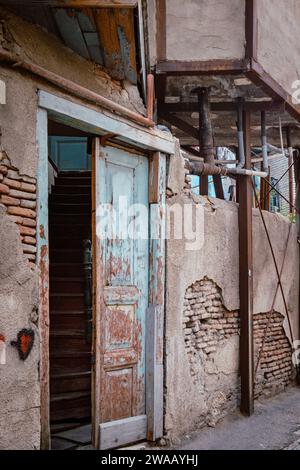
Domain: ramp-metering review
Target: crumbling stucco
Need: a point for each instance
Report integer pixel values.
(19, 380)
(189, 395)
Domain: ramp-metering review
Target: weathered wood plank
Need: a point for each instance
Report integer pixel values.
(154, 372)
(43, 263)
(154, 178)
(118, 433)
(99, 123)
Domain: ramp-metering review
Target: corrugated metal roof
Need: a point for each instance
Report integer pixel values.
(104, 35)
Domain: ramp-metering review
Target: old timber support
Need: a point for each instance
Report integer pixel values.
(246, 278)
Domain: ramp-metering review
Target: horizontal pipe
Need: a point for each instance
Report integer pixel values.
(205, 169)
(242, 171)
(74, 88)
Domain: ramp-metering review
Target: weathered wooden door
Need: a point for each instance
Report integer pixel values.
(121, 252)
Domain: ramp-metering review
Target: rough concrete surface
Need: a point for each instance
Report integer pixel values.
(278, 47)
(205, 30)
(275, 425)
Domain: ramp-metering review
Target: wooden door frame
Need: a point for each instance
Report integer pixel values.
(159, 144)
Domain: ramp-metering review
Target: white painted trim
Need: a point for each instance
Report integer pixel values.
(99, 123)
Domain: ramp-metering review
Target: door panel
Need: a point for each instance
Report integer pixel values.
(122, 251)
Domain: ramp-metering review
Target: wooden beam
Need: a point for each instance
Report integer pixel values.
(207, 67)
(251, 19)
(253, 106)
(181, 124)
(43, 264)
(92, 3)
(154, 178)
(246, 279)
(154, 372)
(218, 186)
(161, 30)
(98, 123)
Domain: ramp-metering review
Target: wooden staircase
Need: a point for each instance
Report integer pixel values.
(70, 353)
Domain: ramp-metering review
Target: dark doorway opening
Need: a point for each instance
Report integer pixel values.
(70, 286)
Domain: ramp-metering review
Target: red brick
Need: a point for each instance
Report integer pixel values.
(10, 201)
(30, 240)
(29, 188)
(27, 231)
(29, 223)
(12, 183)
(28, 213)
(4, 189)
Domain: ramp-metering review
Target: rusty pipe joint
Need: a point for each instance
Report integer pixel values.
(205, 169)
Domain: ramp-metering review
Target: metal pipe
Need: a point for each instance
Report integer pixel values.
(291, 176)
(244, 172)
(150, 96)
(264, 142)
(205, 169)
(206, 141)
(242, 158)
(74, 88)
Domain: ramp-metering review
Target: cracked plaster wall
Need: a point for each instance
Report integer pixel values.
(205, 30)
(192, 403)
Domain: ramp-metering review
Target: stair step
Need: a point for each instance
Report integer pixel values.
(70, 313)
(70, 198)
(68, 396)
(71, 353)
(67, 334)
(63, 208)
(75, 255)
(69, 190)
(66, 269)
(73, 181)
(67, 242)
(66, 301)
(70, 375)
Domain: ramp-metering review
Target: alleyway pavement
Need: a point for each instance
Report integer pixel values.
(275, 425)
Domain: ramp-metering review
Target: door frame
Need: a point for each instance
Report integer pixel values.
(158, 144)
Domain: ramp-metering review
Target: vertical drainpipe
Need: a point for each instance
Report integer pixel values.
(264, 142)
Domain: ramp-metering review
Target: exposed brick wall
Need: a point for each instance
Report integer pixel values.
(275, 370)
(18, 195)
(207, 324)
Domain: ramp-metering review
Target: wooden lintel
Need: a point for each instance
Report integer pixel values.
(207, 67)
(161, 32)
(251, 20)
(181, 124)
(154, 178)
(225, 106)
